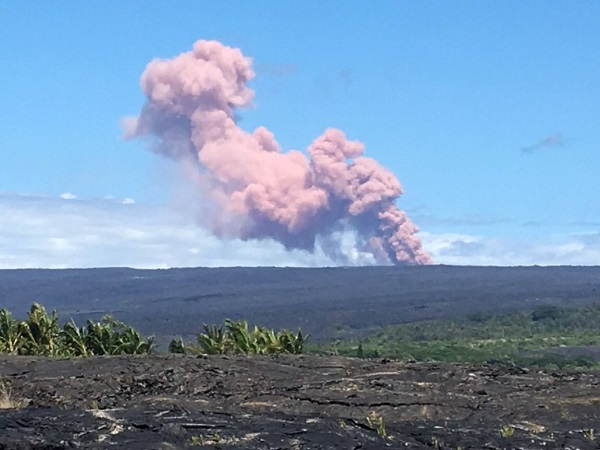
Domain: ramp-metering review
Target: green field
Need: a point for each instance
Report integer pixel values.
(529, 339)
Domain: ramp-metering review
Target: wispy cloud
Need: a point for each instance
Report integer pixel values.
(549, 142)
(565, 249)
(470, 220)
(59, 233)
(67, 196)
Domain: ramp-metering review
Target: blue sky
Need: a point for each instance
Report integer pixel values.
(447, 95)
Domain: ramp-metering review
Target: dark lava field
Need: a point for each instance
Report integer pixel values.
(321, 301)
(293, 403)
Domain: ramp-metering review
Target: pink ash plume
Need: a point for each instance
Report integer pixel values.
(255, 190)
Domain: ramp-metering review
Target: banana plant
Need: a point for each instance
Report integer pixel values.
(242, 340)
(178, 346)
(131, 342)
(10, 333)
(40, 332)
(292, 343)
(75, 339)
(266, 340)
(101, 338)
(213, 341)
(236, 337)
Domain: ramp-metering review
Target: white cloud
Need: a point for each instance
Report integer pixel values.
(67, 196)
(53, 233)
(557, 249)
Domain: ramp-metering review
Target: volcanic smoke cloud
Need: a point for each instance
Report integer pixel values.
(255, 190)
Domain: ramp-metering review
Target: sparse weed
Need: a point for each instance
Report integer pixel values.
(196, 440)
(211, 439)
(507, 431)
(376, 421)
(6, 399)
(564, 412)
(589, 434)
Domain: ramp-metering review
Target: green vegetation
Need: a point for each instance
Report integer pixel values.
(41, 334)
(212, 440)
(237, 338)
(196, 440)
(589, 434)
(376, 422)
(525, 339)
(6, 399)
(507, 431)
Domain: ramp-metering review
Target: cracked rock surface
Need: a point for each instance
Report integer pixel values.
(291, 402)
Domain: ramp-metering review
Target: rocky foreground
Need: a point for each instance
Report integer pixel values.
(291, 402)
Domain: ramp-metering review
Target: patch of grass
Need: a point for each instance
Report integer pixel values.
(196, 440)
(377, 422)
(584, 400)
(589, 434)
(564, 412)
(7, 401)
(216, 438)
(507, 431)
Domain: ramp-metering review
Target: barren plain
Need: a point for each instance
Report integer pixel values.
(292, 402)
